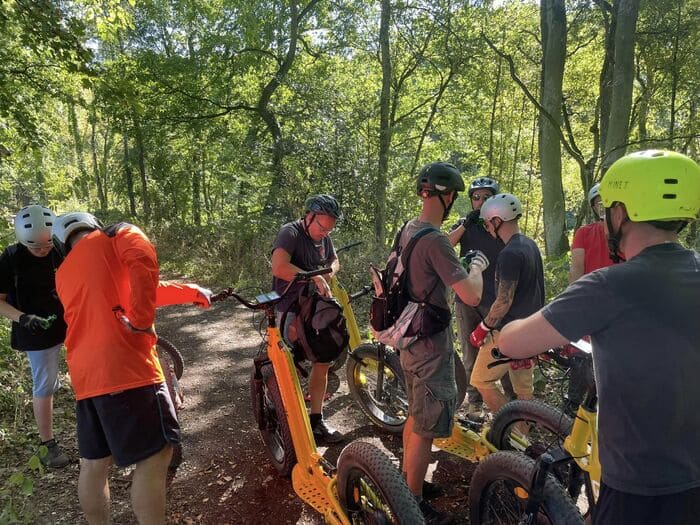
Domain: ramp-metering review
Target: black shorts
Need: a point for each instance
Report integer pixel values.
(621, 508)
(130, 425)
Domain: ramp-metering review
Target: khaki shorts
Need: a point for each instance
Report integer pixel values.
(485, 378)
(429, 370)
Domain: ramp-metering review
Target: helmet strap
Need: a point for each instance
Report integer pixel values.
(305, 226)
(447, 207)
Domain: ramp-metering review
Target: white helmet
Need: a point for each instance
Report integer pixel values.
(593, 193)
(33, 226)
(69, 223)
(505, 206)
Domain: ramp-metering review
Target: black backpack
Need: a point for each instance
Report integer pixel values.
(321, 327)
(394, 295)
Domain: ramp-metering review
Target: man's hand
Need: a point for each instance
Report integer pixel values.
(33, 323)
(203, 299)
(477, 260)
(322, 285)
(476, 338)
(119, 313)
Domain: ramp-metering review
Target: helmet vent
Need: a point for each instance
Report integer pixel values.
(27, 226)
(670, 181)
(669, 196)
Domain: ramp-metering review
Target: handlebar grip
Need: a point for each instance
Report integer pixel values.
(303, 276)
(348, 246)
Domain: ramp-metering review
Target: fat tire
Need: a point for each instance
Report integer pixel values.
(175, 355)
(541, 415)
(514, 469)
(274, 427)
(368, 404)
(360, 461)
(338, 363)
(169, 358)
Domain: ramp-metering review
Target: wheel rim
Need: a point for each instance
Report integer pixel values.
(389, 407)
(365, 502)
(504, 504)
(537, 440)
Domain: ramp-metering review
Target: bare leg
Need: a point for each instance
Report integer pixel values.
(416, 457)
(43, 414)
(493, 398)
(318, 381)
(93, 490)
(148, 487)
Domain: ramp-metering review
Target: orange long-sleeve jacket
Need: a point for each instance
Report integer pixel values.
(100, 273)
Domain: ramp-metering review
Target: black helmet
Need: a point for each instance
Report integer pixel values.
(324, 204)
(483, 183)
(438, 178)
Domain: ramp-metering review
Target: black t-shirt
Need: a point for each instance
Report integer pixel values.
(521, 261)
(643, 317)
(305, 253)
(475, 237)
(30, 285)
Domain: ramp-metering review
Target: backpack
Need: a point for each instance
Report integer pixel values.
(396, 318)
(320, 326)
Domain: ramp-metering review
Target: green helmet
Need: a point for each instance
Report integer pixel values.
(654, 185)
(439, 178)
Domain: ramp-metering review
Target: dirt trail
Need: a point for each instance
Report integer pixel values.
(226, 477)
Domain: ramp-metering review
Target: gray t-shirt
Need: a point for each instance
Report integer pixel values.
(433, 264)
(305, 253)
(644, 320)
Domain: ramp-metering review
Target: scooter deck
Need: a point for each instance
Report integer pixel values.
(464, 443)
(313, 487)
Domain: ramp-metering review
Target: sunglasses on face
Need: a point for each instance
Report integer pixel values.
(478, 198)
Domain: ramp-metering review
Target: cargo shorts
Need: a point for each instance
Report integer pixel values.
(429, 370)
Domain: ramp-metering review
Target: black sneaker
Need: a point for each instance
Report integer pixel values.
(55, 457)
(431, 490)
(433, 516)
(323, 433)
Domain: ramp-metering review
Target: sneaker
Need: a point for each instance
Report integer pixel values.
(55, 457)
(475, 412)
(431, 490)
(323, 433)
(433, 516)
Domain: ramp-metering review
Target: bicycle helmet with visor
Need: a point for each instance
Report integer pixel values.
(33, 226)
(483, 183)
(70, 223)
(324, 204)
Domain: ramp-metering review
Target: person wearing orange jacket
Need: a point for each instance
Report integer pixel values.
(109, 287)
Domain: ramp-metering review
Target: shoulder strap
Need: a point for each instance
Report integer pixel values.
(407, 253)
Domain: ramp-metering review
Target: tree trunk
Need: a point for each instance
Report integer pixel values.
(78, 151)
(138, 135)
(129, 176)
(674, 77)
(196, 191)
(101, 196)
(615, 143)
(494, 105)
(553, 19)
(384, 126)
(606, 72)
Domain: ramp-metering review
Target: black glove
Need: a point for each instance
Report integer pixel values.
(473, 217)
(33, 323)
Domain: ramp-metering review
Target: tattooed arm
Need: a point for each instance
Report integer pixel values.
(505, 292)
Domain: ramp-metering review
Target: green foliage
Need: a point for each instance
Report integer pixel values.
(556, 276)
(17, 490)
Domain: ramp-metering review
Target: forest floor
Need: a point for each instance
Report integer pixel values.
(225, 477)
